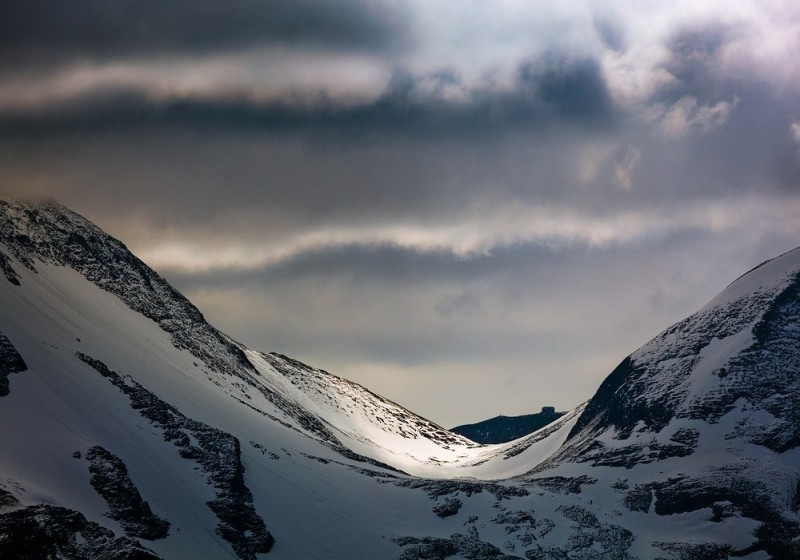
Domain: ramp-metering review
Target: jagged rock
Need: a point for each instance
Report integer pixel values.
(7, 499)
(110, 479)
(447, 508)
(463, 546)
(563, 484)
(526, 527)
(219, 455)
(8, 270)
(590, 539)
(762, 372)
(725, 491)
(53, 234)
(10, 362)
(664, 403)
(45, 532)
(439, 488)
(693, 551)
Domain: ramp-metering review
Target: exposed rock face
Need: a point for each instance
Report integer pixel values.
(8, 270)
(676, 375)
(732, 369)
(742, 489)
(447, 508)
(457, 545)
(441, 488)
(591, 539)
(53, 234)
(698, 429)
(693, 551)
(10, 362)
(563, 484)
(110, 479)
(55, 533)
(216, 452)
(7, 499)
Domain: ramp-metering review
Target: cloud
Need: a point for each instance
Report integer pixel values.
(687, 115)
(48, 32)
(623, 171)
(374, 316)
(420, 189)
(466, 237)
(360, 97)
(466, 303)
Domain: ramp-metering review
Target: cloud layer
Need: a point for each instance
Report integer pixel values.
(504, 197)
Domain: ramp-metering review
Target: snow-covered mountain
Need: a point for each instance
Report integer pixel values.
(134, 429)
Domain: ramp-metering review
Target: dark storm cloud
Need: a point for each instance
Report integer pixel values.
(576, 89)
(547, 90)
(49, 31)
(476, 188)
(694, 61)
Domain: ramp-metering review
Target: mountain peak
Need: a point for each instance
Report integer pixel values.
(50, 233)
(133, 415)
(732, 354)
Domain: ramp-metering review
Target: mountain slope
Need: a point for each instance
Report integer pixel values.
(50, 234)
(717, 395)
(133, 429)
(742, 345)
(502, 429)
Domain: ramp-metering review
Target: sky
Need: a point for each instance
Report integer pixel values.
(472, 208)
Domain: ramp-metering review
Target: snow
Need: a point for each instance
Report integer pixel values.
(768, 276)
(77, 408)
(298, 428)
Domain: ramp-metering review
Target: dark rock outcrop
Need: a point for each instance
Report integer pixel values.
(53, 234)
(8, 270)
(110, 479)
(459, 545)
(10, 362)
(590, 539)
(441, 488)
(217, 453)
(45, 532)
(651, 387)
(726, 491)
(447, 508)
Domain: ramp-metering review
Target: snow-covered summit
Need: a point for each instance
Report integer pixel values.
(51, 234)
(737, 351)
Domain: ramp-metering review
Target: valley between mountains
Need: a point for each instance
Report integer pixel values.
(133, 429)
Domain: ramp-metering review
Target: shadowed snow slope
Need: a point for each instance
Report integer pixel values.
(209, 449)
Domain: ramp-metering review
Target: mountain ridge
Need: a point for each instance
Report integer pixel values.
(502, 429)
(688, 450)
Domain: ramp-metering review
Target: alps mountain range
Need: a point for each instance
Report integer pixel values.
(133, 429)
